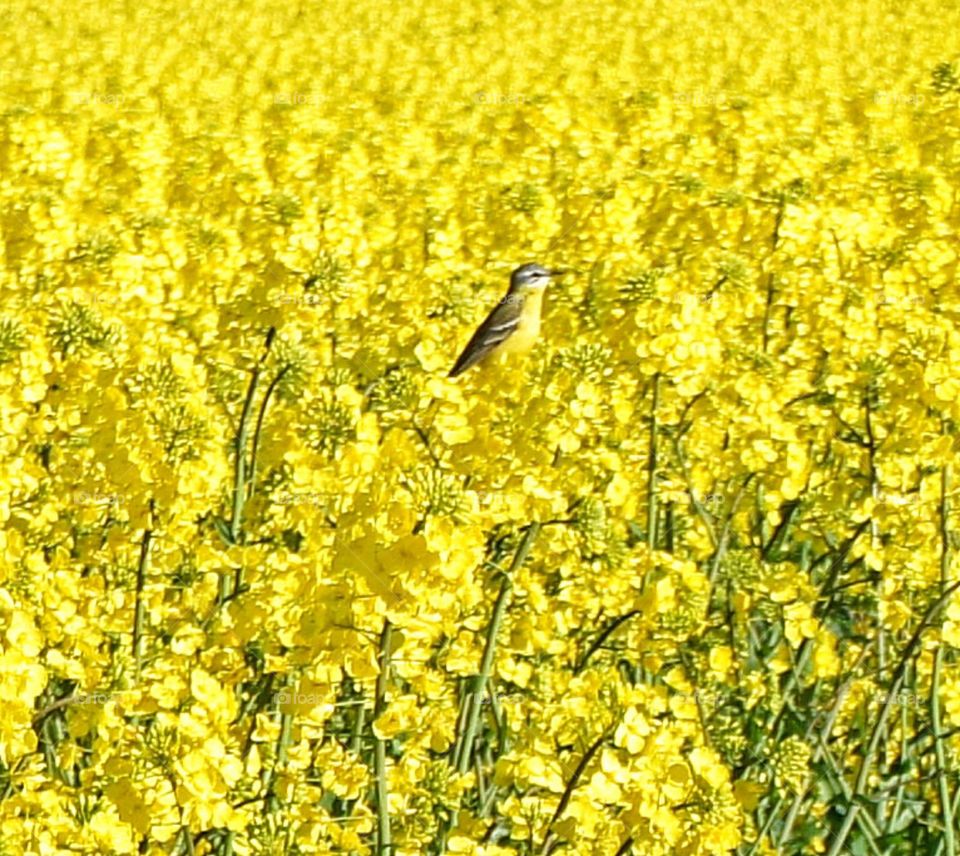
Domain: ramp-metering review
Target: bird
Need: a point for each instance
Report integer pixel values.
(513, 325)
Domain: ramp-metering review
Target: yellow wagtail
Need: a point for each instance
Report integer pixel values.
(514, 323)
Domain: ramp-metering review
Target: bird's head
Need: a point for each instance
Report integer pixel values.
(532, 276)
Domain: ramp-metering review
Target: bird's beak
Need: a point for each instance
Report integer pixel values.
(556, 272)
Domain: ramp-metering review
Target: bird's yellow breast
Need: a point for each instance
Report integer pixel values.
(528, 330)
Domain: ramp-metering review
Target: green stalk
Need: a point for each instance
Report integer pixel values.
(944, 519)
(866, 762)
(187, 839)
(905, 755)
(239, 467)
(384, 844)
(356, 732)
(271, 803)
(474, 699)
(874, 484)
(765, 826)
(724, 540)
(943, 772)
(605, 634)
(257, 431)
(481, 781)
(549, 839)
(821, 749)
(139, 611)
(652, 469)
(771, 277)
(500, 721)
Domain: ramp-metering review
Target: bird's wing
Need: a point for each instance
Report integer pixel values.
(498, 326)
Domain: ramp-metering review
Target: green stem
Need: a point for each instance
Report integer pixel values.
(271, 803)
(652, 469)
(474, 698)
(257, 431)
(139, 611)
(605, 634)
(771, 279)
(548, 836)
(866, 762)
(380, 746)
(724, 539)
(239, 466)
(819, 751)
(356, 732)
(945, 474)
(943, 772)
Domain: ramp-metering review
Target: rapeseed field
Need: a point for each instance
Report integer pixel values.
(681, 580)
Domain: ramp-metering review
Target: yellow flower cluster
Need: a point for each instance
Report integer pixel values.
(681, 581)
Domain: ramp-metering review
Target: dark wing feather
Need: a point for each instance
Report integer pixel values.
(498, 326)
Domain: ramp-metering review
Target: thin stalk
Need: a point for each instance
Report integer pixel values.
(945, 474)
(549, 839)
(605, 634)
(943, 771)
(788, 513)
(765, 828)
(905, 755)
(866, 762)
(239, 464)
(481, 781)
(474, 698)
(271, 803)
(652, 470)
(874, 483)
(139, 611)
(356, 731)
(771, 279)
(500, 721)
(724, 539)
(384, 844)
(257, 431)
(187, 840)
(821, 751)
